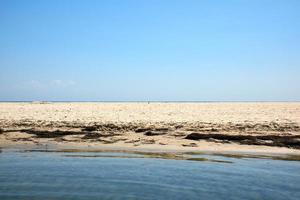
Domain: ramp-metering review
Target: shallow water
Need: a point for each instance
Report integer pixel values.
(105, 175)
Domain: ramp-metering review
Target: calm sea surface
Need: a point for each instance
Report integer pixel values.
(61, 175)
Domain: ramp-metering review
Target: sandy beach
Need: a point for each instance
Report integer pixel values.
(217, 127)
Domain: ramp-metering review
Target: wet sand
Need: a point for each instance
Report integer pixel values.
(217, 127)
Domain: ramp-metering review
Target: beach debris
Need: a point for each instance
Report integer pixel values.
(268, 133)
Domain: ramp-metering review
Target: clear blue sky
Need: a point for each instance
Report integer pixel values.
(118, 50)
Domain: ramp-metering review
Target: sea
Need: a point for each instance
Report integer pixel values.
(119, 175)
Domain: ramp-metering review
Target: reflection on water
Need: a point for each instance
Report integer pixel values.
(73, 174)
(173, 156)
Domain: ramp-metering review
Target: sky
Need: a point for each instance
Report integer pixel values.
(150, 50)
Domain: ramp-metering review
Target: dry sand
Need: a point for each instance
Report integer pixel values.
(153, 126)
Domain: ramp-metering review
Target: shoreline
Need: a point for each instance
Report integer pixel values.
(203, 147)
(210, 127)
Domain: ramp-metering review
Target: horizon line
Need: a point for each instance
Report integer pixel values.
(155, 101)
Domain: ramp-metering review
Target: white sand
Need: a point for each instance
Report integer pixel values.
(155, 113)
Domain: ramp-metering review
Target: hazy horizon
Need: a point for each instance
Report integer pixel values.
(150, 50)
(62, 101)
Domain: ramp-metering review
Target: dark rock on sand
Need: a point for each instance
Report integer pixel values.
(179, 126)
(141, 130)
(190, 145)
(90, 128)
